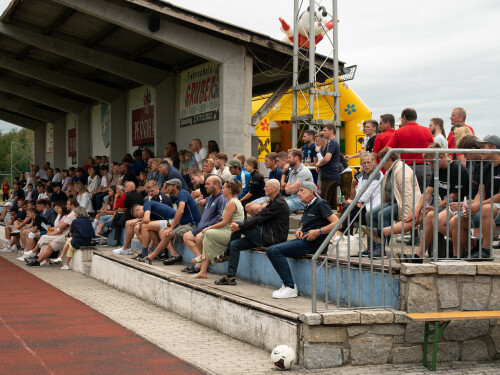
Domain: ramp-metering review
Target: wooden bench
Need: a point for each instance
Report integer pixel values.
(441, 320)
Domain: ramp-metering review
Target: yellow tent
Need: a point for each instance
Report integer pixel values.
(353, 111)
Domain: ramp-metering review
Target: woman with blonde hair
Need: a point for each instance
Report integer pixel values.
(83, 197)
(458, 133)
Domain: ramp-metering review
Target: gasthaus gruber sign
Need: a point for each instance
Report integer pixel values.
(199, 94)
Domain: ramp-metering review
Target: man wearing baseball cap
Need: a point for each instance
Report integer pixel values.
(318, 220)
(491, 199)
(240, 174)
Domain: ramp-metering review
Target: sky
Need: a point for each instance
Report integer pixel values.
(422, 54)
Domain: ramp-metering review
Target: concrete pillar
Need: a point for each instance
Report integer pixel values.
(83, 137)
(39, 145)
(165, 109)
(60, 144)
(235, 104)
(118, 132)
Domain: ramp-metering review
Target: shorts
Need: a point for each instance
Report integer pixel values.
(163, 224)
(71, 249)
(476, 218)
(180, 230)
(261, 200)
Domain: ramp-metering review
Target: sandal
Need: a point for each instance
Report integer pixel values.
(226, 281)
(191, 269)
(224, 257)
(199, 259)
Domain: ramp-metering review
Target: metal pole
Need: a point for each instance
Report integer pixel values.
(336, 66)
(312, 58)
(295, 75)
(11, 162)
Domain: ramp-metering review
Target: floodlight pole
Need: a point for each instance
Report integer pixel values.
(336, 99)
(295, 75)
(11, 161)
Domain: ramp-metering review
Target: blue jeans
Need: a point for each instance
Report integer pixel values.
(382, 217)
(106, 220)
(253, 238)
(294, 203)
(296, 248)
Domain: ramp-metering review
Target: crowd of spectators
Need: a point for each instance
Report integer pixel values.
(218, 206)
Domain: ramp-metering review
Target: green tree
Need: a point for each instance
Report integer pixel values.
(22, 150)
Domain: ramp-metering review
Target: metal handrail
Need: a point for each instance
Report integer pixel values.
(346, 215)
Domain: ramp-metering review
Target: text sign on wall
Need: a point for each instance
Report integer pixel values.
(72, 142)
(143, 125)
(199, 96)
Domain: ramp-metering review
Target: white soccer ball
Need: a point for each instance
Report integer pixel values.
(283, 357)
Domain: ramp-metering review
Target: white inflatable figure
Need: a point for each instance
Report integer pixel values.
(321, 27)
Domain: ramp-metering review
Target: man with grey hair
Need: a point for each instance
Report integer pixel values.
(458, 116)
(168, 172)
(268, 227)
(198, 151)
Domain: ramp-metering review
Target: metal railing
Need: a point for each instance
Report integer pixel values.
(378, 272)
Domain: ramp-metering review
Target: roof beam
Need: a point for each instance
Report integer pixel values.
(184, 38)
(20, 120)
(129, 69)
(42, 96)
(272, 100)
(29, 110)
(80, 86)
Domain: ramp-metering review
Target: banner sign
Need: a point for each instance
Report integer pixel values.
(72, 142)
(143, 125)
(199, 96)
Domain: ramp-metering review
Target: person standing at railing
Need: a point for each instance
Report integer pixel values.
(370, 129)
(486, 213)
(395, 186)
(412, 135)
(318, 220)
(457, 117)
(436, 126)
(329, 166)
(387, 127)
(448, 191)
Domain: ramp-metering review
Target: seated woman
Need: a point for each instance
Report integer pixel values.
(41, 228)
(256, 184)
(54, 242)
(104, 218)
(81, 233)
(394, 186)
(83, 197)
(370, 199)
(213, 240)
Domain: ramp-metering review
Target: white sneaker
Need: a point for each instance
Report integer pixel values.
(13, 248)
(55, 261)
(65, 267)
(21, 258)
(122, 251)
(6, 249)
(44, 263)
(279, 290)
(286, 293)
(27, 254)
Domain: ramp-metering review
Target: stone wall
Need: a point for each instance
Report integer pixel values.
(362, 337)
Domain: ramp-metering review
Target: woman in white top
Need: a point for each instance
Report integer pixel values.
(94, 181)
(83, 197)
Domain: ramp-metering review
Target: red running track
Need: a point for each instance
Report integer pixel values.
(44, 331)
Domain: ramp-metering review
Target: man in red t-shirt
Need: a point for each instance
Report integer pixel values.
(457, 117)
(387, 126)
(413, 135)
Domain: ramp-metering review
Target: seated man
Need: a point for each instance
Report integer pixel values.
(490, 216)
(186, 219)
(268, 227)
(153, 217)
(448, 193)
(212, 214)
(270, 162)
(154, 193)
(298, 175)
(318, 220)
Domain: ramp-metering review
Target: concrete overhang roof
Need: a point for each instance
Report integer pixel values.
(59, 56)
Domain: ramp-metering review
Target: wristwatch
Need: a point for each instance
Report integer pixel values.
(320, 230)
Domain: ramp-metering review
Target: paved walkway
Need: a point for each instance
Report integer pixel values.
(204, 348)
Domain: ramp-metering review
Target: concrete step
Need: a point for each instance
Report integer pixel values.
(241, 313)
